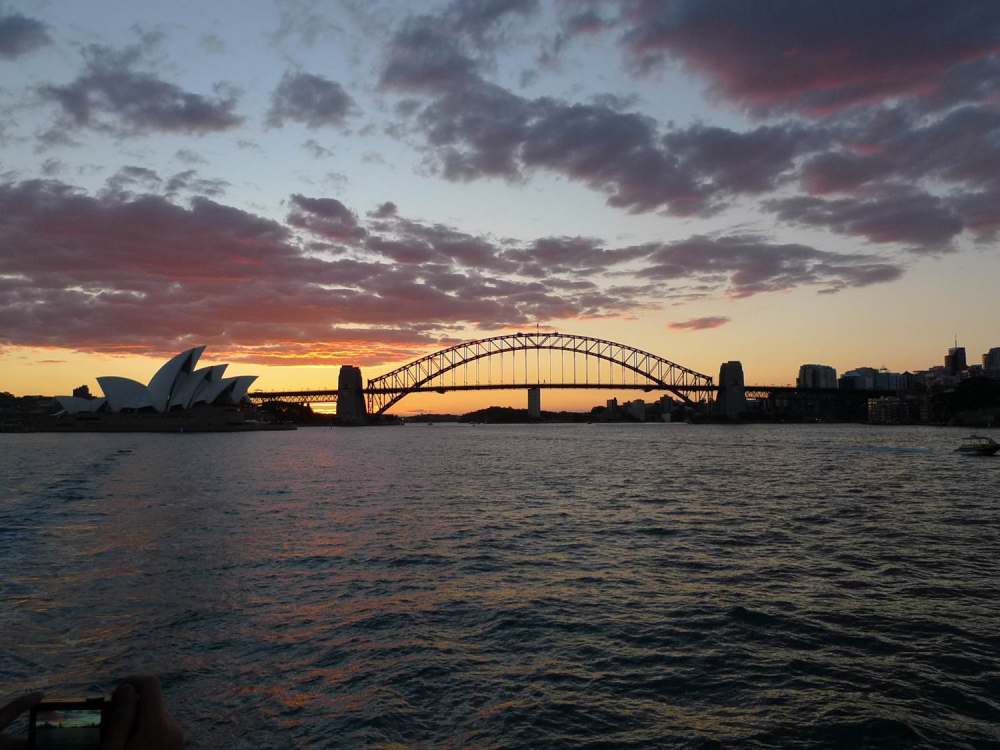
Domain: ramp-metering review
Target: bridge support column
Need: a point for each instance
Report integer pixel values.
(732, 401)
(351, 408)
(535, 403)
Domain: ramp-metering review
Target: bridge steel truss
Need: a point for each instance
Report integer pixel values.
(661, 374)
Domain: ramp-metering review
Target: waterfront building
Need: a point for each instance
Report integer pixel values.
(991, 363)
(897, 410)
(176, 386)
(816, 376)
(636, 409)
(859, 379)
(955, 361)
(871, 379)
(936, 376)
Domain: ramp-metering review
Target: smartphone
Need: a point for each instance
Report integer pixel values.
(68, 724)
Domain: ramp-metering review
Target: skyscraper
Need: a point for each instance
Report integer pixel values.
(955, 360)
(991, 361)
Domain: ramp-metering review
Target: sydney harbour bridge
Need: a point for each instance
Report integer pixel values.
(532, 362)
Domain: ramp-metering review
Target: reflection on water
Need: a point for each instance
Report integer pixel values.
(510, 586)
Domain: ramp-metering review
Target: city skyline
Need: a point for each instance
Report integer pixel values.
(302, 185)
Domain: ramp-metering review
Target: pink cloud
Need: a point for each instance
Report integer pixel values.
(698, 324)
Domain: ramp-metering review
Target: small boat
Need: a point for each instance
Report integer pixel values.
(978, 445)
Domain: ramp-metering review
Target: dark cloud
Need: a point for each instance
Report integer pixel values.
(385, 211)
(52, 167)
(20, 35)
(839, 171)
(744, 266)
(325, 217)
(323, 287)
(961, 146)
(188, 156)
(407, 240)
(487, 131)
(213, 44)
(698, 324)
(112, 95)
(316, 150)
(425, 56)
(306, 21)
(188, 181)
(888, 214)
(575, 18)
(130, 178)
(980, 212)
(727, 162)
(310, 99)
(812, 56)
(482, 19)
(476, 129)
(570, 255)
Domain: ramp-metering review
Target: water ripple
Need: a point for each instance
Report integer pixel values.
(599, 586)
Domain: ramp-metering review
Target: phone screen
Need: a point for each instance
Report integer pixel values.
(63, 727)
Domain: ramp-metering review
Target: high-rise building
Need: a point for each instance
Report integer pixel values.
(991, 362)
(816, 376)
(954, 361)
(870, 379)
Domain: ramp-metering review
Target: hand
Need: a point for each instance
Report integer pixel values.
(9, 714)
(138, 719)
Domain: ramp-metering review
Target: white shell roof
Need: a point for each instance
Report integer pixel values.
(176, 384)
(77, 405)
(163, 383)
(124, 393)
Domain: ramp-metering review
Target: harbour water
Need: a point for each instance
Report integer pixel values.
(515, 586)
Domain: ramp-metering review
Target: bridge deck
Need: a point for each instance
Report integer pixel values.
(752, 391)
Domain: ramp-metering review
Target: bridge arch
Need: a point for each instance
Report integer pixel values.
(388, 389)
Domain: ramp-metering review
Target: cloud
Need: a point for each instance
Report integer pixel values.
(886, 214)
(325, 287)
(425, 56)
(213, 44)
(385, 210)
(698, 324)
(486, 131)
(743, 266)
(316, 150)
(20, 35)
(188, 156)
(310, 99)
(566, 255)
(188, 181)
(304, 20)
(111, 95)
(129, 177)
(325, 217)
(979, 212)
(482, 20)
(475, 129)
(811, 56)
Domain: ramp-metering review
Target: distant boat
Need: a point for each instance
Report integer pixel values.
(978, 445)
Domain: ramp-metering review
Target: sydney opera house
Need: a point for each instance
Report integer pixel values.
(176, 386)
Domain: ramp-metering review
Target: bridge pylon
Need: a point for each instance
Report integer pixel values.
(535, 402)
(731, 401)
(351, 408)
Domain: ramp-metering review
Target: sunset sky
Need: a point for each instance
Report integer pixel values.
(301, 184)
